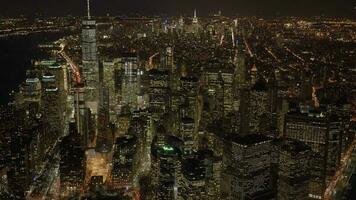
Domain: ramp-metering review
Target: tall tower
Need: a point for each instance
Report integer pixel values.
(89, 49)
(90, 61)
(195, 18)
(181, 22)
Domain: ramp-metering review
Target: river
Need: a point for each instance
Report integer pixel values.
(16, 55)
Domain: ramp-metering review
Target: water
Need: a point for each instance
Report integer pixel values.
(16, 55)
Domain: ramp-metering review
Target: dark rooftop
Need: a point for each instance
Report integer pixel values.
(125, 140)
(294, 146)
(260, 85)
(250, 139)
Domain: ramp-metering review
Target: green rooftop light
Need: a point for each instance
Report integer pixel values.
(168, 148)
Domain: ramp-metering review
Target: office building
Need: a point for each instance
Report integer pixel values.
(166, 171)
(72, 164)
(131, 80)
(322, 131)
(293, 170)
(248, 174)
(90, 68)
(124, 159)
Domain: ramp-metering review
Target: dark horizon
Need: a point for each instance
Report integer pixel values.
(332, 8)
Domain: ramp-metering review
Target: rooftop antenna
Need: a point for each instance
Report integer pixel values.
(195, 18)
(88, 7)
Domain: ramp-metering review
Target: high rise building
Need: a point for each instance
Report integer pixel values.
(244, 110)
(19, 173)
(31, 90)
(24, 145)
(181, 24)
(197, 171)
(166, 172)
(258, 105)
(105, 135)
(6, 124)
(187, 135)
(306, 86)
(167, 59)
(293, 170)
(89, 48)
(72, 164)
(195, 18)
(83, 117)
(195, 27)
(110, 70)
(37, 117)
(52, 105)
(322, 131)
(159, 91)
(30, 102)
(188, 94)
(90, 68)
(124, 161)
(240, 67)
(248, 174)
(220, 82)
(131, 80)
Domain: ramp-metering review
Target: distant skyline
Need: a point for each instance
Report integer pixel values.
(342, 8)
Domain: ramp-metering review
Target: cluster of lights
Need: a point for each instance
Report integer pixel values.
(168, 148)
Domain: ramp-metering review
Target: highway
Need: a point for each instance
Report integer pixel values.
(340, 172)
(74, 68)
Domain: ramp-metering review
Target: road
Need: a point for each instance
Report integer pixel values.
(74, 68)
(339, 173)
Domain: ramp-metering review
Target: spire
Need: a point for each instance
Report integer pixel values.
(195, 18)
(254, 68)
(88, 7)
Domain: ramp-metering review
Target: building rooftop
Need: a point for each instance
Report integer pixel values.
(190, 79)
(168, 150)
(294, 146)
(250, 139)
(126, 140)
(193, 169)
(260, 85)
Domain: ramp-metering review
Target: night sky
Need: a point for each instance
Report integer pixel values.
(173, 7)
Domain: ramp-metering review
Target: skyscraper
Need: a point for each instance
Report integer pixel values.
(197, 171)
(293, 170)
(259, 105)
(166, 168)
(195, 18)
(131, 80)
(195, 27)
(250, 169)
(71, 168)
(90, 66)
(89, 48)
(322, 131)
(18, 174)
(124, 161)
(159, 91)
(52, 104)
